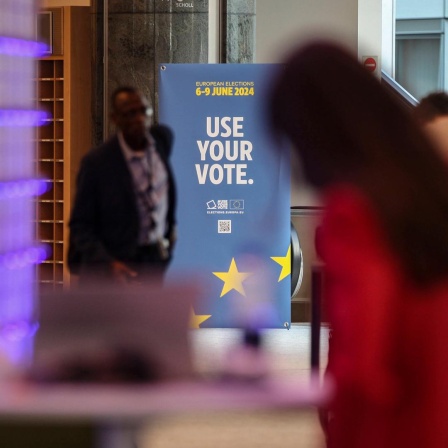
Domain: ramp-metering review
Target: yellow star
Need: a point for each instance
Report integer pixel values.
(232, 279)
(285, 263)
(197, 319)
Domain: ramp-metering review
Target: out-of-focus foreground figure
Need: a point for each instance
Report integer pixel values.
(384, 243)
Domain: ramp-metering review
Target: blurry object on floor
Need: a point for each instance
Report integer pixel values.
(113, 334)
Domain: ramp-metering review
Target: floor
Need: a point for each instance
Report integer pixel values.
(288, 352)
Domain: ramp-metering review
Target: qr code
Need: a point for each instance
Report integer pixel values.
(222, 204)
(224, 226)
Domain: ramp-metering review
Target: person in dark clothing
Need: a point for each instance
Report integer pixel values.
(122, 225)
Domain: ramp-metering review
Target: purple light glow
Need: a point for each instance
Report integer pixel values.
(18, 330)
(23, 188)
(22, 117)
(19, 259)
(18, 183)
(20, 47)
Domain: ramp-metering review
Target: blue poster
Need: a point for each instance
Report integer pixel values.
(233, 194)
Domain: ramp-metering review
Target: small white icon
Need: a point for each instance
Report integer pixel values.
(223, 204)
(236, 204)
(211, 205)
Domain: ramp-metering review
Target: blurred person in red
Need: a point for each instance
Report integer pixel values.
(384, 243)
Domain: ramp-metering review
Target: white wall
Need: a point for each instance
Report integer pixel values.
(369, 31)
(282, 24)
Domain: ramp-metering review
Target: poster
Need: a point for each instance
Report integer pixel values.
(233, 193)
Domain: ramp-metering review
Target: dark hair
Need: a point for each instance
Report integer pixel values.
(118, 91)
(431, 107)
(348, 129)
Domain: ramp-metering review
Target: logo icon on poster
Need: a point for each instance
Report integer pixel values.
(236, 204)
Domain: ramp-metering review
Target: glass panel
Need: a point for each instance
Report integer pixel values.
(418, 64)
(240, 31)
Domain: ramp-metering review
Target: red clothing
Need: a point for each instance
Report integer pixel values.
(389, 345)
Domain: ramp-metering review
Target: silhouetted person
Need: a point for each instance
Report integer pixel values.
(384, 244)
(122, 225)
(432, 106)
(432, 115)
